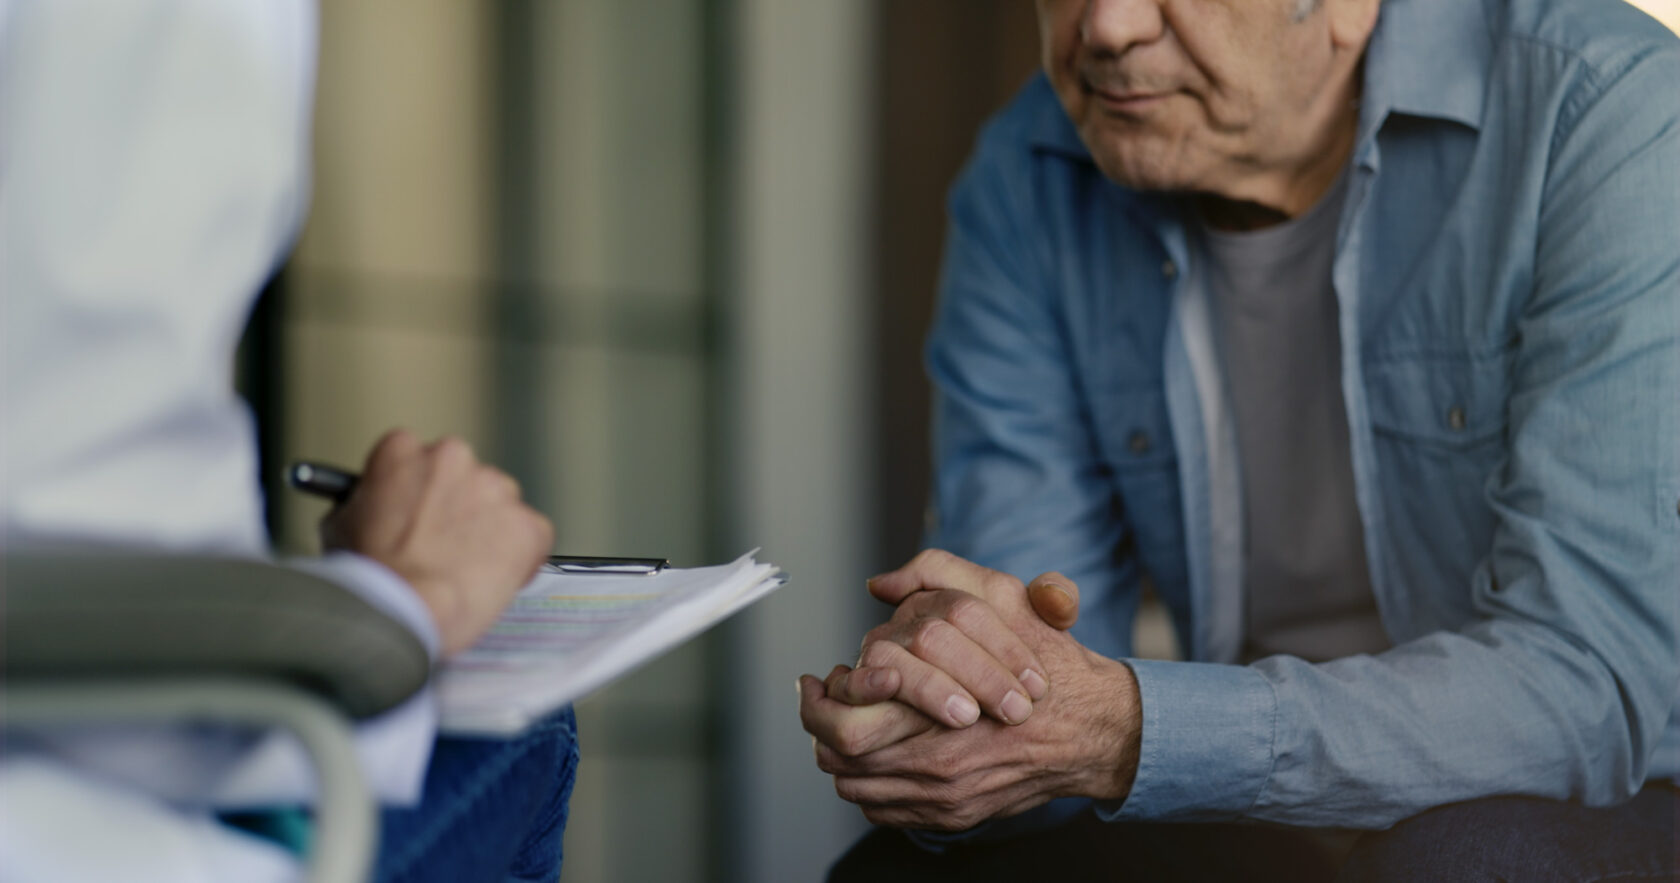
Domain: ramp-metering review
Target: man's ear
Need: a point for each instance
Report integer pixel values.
(1351, 22)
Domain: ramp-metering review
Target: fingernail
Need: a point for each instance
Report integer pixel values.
(1015, 708)
(877, 680)
(962, 710)
(1061, 604)
(1035, 683)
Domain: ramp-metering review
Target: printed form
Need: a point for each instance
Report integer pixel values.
(568, 634)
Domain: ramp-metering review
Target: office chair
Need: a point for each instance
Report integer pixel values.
(105, 636)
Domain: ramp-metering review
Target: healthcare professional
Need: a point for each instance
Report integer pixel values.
(153, 173)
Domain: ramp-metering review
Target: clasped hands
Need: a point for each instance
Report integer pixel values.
(972, 702)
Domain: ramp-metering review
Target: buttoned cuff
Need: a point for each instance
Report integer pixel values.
(1207, 745)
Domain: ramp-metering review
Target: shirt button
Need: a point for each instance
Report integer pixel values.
(1455, 419)
(1139, 443)
(1169, 269)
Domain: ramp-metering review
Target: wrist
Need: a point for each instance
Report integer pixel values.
(1119, 730)
(449, 613)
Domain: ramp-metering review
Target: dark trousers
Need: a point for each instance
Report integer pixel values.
(1501, 838)
(492, 810)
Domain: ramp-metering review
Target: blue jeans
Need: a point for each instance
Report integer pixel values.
(1499, 838)
(492, 810)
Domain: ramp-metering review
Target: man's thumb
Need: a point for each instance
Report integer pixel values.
(1055, 599)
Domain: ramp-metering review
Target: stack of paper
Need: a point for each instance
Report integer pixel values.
(567, 634)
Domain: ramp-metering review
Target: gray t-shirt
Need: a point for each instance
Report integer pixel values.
(1274, 313)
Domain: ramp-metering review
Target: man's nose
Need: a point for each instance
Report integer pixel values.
(1113, 26)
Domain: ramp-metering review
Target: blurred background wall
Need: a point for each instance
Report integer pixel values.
(1665, 11)
(669, 262)
(622, 247)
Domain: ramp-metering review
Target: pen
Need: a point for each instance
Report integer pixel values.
(337, 484)
(322, 481)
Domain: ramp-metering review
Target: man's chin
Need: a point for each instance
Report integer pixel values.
(1146, 176)
(1139, 164)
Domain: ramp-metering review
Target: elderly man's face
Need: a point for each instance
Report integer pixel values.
(1192, 95)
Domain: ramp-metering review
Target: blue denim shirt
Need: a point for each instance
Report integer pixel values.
(1508, 274)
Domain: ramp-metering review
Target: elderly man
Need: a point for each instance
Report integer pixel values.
(1355, 327)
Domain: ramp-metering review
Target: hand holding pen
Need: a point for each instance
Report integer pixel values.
(337, 485)
(454, 529)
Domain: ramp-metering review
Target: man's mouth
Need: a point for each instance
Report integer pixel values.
(1125, 100)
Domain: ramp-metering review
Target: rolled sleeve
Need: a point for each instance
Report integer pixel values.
(1208, 743)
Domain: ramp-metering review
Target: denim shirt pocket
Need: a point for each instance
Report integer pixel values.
(1439, 431)
(1445, 401)
(1135, 441)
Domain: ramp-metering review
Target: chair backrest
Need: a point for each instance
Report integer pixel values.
(94, 613)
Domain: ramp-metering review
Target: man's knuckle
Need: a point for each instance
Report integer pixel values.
(877, 653)
(931, 557)
(968, 613)
(948, 762)
(851, 738)
(916, 605)
(928, 636)
(947, 798)
(923, 681)
(1001, 585)
(956, 813)
(848, 789)
(816, 722)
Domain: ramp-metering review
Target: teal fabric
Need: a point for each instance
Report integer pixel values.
(292, 829)
(1508, 277)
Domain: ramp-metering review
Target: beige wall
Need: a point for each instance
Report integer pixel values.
(396, 303)
(387, 277)
(1665, 11)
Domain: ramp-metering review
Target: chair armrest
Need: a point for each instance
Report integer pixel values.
(104, 614)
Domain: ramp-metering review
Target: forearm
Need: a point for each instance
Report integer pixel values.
(1362, 742)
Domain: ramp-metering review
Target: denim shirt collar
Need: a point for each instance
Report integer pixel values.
(1458, 42)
